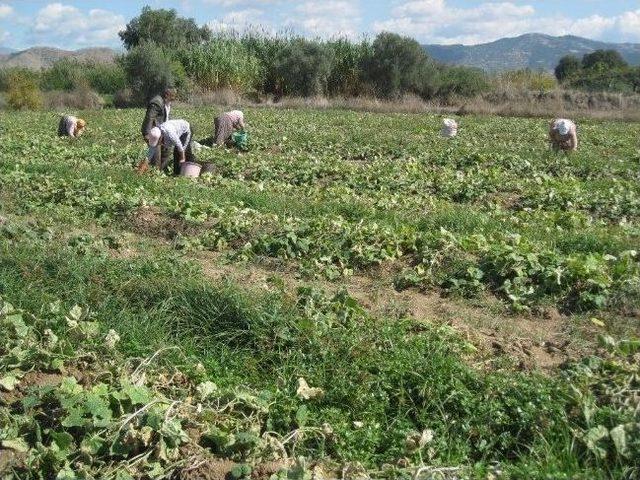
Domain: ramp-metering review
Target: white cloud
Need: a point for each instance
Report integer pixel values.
(240, 21)
(330, 18)
(325, 19)
(68, 26)
(437, 21)
(5, 10)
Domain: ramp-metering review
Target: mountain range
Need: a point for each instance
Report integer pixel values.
(535, 51)
(37, 58)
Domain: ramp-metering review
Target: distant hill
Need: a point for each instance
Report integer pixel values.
(43, 57)
(534, 50)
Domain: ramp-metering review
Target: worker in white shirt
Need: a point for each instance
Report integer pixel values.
(172, 134)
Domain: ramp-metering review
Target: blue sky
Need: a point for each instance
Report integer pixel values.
(75, 24)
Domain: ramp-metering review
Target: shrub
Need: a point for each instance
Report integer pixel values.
(266, 49)
(399, 65)
(107, 78)
(123, 98)
(221, 63)
(150, 69)
(462, 81)
(64, 74)
(303, 67)
(346, 69)
(23, 92)
(569, 65)
(528, 79)
(7, 75)
(68, 74)
(81, 98)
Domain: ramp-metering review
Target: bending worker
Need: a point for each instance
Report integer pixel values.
(563, 135)
(71, 126)
(173, 135)
(225, 125)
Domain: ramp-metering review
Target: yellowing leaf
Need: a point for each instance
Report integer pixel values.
(17, 445)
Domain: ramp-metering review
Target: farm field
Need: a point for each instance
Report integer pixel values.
(354, 296)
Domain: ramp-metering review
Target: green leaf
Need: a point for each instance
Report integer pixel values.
(99, 409)
(241, 471)
(155, 470)
(137, 395)
(15, 319)
(92, 445)
(593, 437)
(76, 313)
(75, 418)
(123, 475)
(17, 445)
(619, 437)
(302, 415)
(66, 474)
(63, 440)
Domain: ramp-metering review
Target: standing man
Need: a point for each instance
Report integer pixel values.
(158, 110)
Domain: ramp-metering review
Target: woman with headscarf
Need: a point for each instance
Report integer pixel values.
(225, 125)
(71, 126)
(563, 135)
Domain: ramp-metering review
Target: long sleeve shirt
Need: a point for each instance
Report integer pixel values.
(173, 130)
(237, 118)
(70, 123)
(156, 114)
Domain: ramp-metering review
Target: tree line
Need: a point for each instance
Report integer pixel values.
(602, 70)
(163, 48)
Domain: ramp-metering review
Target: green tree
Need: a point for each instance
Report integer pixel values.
(150, 69)
(163, 27)
(567, 66)
(346, 68)
(399, 65)
(604, 60)
(462, 81)
(303, 67)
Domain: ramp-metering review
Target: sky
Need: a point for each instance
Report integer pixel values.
(74, 24)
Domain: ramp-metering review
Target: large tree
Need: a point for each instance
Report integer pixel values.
(603, 60)
(400, 65)
(163, 27)
(567, 66)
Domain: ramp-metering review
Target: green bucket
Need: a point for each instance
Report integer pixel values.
(240, 140)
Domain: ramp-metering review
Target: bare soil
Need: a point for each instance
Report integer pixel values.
(529, 342)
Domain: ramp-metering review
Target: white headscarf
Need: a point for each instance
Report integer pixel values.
(563, 126)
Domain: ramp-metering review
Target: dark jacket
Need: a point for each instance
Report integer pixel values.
(156, 114)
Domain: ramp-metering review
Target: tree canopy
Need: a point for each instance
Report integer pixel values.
(606, 59)
(163, 27)
(567, 66)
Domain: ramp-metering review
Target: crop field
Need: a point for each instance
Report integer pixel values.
(354, 297)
